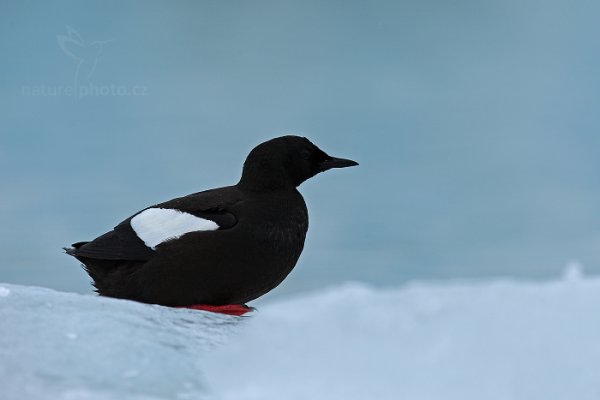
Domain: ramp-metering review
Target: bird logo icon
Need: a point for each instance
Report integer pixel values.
(86, 55)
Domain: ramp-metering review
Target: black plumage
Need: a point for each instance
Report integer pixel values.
(261, 223)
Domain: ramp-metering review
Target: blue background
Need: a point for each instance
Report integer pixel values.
(476, 125)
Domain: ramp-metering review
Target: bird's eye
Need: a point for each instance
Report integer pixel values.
(305, 154)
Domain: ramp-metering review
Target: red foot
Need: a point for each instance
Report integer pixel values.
(229, 309)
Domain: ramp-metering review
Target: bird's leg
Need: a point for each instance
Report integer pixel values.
(228, 309)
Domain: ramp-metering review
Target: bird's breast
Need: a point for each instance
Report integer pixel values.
(282, 237)
(280, 230)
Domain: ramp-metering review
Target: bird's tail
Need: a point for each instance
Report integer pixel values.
(72, 250)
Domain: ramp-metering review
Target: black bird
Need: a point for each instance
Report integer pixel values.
(218, 247)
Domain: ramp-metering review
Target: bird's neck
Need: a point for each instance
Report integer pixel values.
(256, 184)
(259, 177)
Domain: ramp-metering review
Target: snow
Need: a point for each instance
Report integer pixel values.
(68, 346)
(478, 340)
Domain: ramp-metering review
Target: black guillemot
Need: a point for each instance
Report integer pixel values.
(218, 249)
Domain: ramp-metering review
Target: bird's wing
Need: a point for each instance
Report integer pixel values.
(137, 237)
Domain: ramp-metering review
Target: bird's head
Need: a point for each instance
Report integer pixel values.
(286, 162)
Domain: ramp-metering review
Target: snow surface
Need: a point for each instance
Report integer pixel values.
(488, 340)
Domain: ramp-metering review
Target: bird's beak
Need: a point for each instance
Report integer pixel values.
(334, 162)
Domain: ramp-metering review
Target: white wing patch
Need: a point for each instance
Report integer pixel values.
(157, 225)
